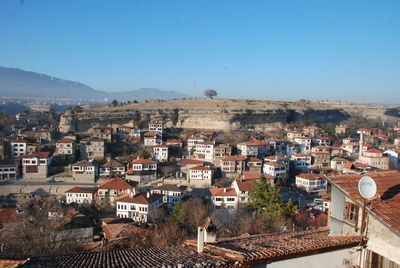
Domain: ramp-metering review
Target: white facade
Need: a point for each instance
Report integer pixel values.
(204, 151)
(18, 148)
(224, 197)
(247, 149)
(137, 211)
(193, 141)
(201, 173)
(152, 140)
(156, 126)
(304, 143)
(274, 169)
(80, 196)
(160, 153)
(312, 183)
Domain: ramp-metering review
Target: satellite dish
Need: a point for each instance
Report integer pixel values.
(367, 187)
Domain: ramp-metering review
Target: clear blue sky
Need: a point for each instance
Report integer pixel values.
(338, 50)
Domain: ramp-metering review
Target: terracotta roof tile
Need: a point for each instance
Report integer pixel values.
(116, 184)
(186, 161)
(89, 190)
(223, 191)
(387, 206)
(143, 161)
(37, 154)
(234, 158)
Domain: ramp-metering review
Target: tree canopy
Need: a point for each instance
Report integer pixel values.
(210, 93)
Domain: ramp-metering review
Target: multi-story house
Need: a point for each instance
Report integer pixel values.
(304, 144)
(243, 188)
(278, 145)
(139, 207)
(321, 141)
(293, 134)
(204, 151)
(160, 153)
(254, 164)
(201, 176)
(81, 195)
(312, 131)
(103, 133)
(320, 159)
(350, 148)
(311, 183)
(85, 171)
(45, 135)
(110, 190)
(337, 163)
(375, 220)
(247, 149)
(342, 129)
(186, 164)
(193, 140)
(152, 139)
(235, 164)
(292, 148)
(301, 161)
(222, 150)
(18, 148)
(224, 197)
(156, 126)
(92, 148)
(348, 140)
(142, 171)
(112, 168)
(276, 170)
(374, 158)
(171, 194)
(8, 170)
(36, 165)
(65, 148)
(174, 143)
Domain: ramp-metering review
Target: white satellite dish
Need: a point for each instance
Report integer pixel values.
(367, 187)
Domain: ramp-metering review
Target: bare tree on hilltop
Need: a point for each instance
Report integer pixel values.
(210, 93)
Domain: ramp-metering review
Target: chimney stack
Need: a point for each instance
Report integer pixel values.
(200, 239)
(148, 194)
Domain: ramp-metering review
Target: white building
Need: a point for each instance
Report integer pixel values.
(36, 165)
(142, 171)
(156, 126)
(18, 148)
(304, 143)
(247, 149)
(201, 176)
(139, 207)
(192, 141)
(312, 183)
(301, 161)
(224, 197)
(337, 163)
(291, 135)
(8, 170)
(204, 151)
(160, 153)
(275, 169)
(112, 168)
(243, 188)
(85, 171)
(321, 141)
(152, 139)
(171, 194)
(81, 195)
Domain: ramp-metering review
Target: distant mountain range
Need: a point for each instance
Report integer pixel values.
(19, 83)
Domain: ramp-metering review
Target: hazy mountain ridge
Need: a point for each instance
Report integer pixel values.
(16, 82)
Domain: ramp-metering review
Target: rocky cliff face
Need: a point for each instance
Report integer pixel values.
(217, 114)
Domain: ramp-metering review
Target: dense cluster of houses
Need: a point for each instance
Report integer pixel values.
(304, 157)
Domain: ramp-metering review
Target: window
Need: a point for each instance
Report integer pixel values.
(351, 212)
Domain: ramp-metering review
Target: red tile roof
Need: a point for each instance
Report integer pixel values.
(223, 191)
(140, 198)
(387, 206)
(113, 163)
(266, 248)
(254, 159)
(245, 185)
(143, 161)
(88, 190)
(37, 154)
(201, 168)
(234, 158)
(310, 176)
(251, 175)
(186, 161)
(115, 184)
(66, 141)
(375, 151)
